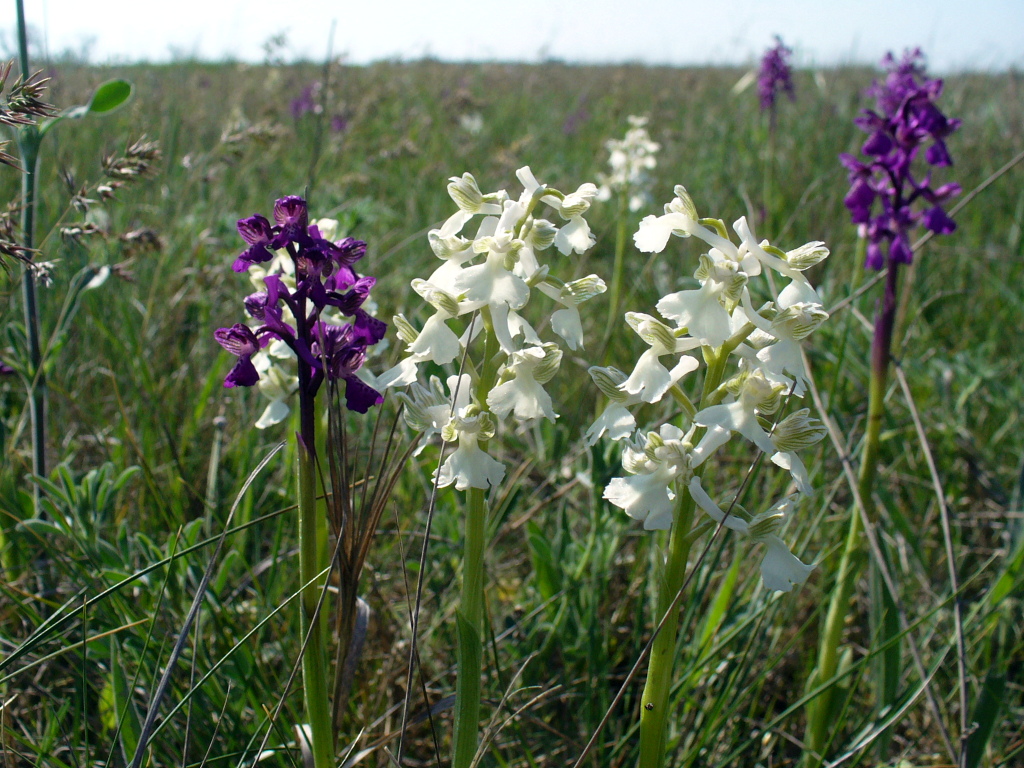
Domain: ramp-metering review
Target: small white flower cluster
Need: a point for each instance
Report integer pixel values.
(720, 320)
(630, 159)
(492, 293)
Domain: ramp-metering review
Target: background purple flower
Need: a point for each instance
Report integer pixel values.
(775, 75)
(306, 102)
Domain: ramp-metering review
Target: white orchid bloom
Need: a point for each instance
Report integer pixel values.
(471, 201)
(566, 322)
(741, 416)
(428, 408)
(796, 432)
(654, 464)
(650, 379)
(789, 327)
(469, 466)
(630, 159)
(520, 388)
(781, 570)
(615, 420)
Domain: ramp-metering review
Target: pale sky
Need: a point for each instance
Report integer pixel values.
(955, 35)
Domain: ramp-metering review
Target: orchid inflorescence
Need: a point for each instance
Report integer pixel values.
(719, 320)
(631, 158)
(775, 75)
(306, 288)
(491, 294)
(905, 119)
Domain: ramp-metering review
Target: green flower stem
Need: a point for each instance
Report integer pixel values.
(29, 139)
(854, 555)
(654, 705)
(470, 618)
(314, 660)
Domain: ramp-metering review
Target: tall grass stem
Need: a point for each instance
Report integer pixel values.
(28, 146)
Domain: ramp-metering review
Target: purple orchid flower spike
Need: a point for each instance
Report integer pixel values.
(887, 199)
(775, 76)
(293, 312)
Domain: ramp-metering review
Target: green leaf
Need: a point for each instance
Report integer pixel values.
(545, 567)
(985, 715)
(106, 98)
(122, 706)
(109, 96)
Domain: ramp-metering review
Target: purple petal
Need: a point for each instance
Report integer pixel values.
(937, 221)
(899, 251)
(360, 396)
(239, 340)
(255, 230)
(244, 374)
(879, 143)
(291, 210)
(256, 304)
(369, 328)
(875, 259)
(938, 155)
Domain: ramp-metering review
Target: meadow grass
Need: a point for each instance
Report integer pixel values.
(94, 595)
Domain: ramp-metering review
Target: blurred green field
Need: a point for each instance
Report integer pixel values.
(137, 381)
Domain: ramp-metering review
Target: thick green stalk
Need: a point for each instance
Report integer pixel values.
(654, 707)
(654, 702)
(470, 624)
(852, 562)
(314, 660)
(470, 617)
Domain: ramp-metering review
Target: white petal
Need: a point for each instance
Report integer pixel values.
(455, 223)
(566, 323)
(527, 179)
(436, 342)
(401, 375)
(502, 327)
(461, 388)
(470, 467)
(792, 462)
(799, 290)
(699, 311)
(781, 569)
(523, 395)
(274, 413)
(654, 231)
(642, 497)
(736, 417)
(491, 283)
(687, 364)
(615, 420)
(574, 236)
(649, 379)
(712, 510)
(519, 327)
(784, 357)
(713, 439)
